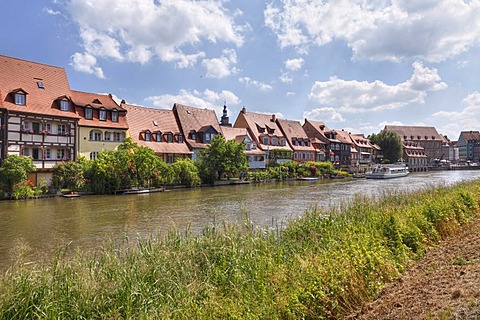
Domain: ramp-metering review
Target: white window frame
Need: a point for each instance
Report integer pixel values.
(20, 99)
(88, 113)
(61, 129)
(64, 105)
(102, 115)
(114, 115)
(61, 153)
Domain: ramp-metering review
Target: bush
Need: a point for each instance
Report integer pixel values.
(186, 173)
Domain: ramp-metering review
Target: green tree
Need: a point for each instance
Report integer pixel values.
(68, 175)
(391, 145)
(15, 170)
(186, 173)
(221, 157)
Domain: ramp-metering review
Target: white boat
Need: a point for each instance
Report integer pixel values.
(387, 171)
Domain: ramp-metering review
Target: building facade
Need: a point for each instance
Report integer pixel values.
(468, 145)
(158, 130)
(38, 118)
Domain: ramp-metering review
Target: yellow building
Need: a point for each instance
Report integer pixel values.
(102, 124)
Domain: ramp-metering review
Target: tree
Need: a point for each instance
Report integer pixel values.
(221, 158)
(186, 173)
(15, 170)
(391, 145)
(68, 175)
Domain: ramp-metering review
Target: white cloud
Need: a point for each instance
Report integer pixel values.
(286, 78)
(290, 94)
(221, 67)
(362, 96)
(294, 64)
(52, 12)
(208, 99)
(138, 30)
(324, 114)
(260, 85)
(466, 119)
(86, 63)
(431, 30)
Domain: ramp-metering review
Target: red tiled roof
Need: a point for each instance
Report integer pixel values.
(141, 119)
(418, 133)
(194, 119)
(25, 75)
(318, 125)
(98, 101)
(257, 121)
(293, 129)
(471, 135)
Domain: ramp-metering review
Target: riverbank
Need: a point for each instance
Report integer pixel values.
(325, 264)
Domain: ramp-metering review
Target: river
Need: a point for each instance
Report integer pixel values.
(44, 225)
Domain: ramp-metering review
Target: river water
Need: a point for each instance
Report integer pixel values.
(44, 225)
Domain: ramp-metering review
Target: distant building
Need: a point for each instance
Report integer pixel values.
(199, 126)
(255, 156)
(468, 145)
(158, 130)
(265, 132)
(37, 116)
(297, 139)
(426, 137)
(102, 124)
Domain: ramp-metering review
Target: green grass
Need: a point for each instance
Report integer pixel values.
(322, 266)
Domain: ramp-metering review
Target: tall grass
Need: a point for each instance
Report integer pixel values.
(324, 265)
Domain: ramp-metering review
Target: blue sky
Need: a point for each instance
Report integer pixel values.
(356, 65)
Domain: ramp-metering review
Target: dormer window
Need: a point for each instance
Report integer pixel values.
(148, 136)
(114, 115)
(265, 140)
(64, 105)
(158, 137)
(102, 115)
(88, 113)
(275, 141)
(193, 135)
(170, 138)
(180, 138)
(20, 98)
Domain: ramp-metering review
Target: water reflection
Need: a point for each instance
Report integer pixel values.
(86, 222)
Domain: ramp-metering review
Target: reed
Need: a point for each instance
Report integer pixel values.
(323, 265)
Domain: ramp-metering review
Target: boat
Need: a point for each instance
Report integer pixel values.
(70, 195)
(358, 175)
(387, 171)
(142, 191)
(308, 178)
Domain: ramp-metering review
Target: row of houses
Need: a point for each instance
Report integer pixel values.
(43, 118)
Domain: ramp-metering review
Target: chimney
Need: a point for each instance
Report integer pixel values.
(122, 102)
(244, 110)
(273, 118)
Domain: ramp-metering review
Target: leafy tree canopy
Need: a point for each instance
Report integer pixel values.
(14, 170)
(221, 158)
(391, 145)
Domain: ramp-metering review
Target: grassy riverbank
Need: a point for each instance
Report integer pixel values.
(324, 265)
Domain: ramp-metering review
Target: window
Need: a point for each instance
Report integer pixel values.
(20, 99)
(275, 141)
(158, 137)
(47, 128)
(64, 105)
(194, 136)
(108, 136)
(180, 138)
(114, 115)
(170, 158)
(36, 127)
(147, 136)
(95, 135)
(265, 140)
(170, 138)
(102, 115)
(35, 154)
(26, 152)
(283, 142)
(88, 113)
(118, 136)
(93, 155)
(207, 137)
(47, 154)
(61, 153)
(40, 85)
(61, 129)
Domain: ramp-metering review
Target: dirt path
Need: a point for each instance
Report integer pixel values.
(445, 284)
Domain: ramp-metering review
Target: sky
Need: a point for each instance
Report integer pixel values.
(356, 65)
